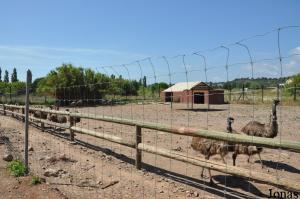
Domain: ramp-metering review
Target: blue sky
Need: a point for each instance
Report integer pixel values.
(41, 35)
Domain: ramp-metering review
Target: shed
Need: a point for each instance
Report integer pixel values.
(193, 92)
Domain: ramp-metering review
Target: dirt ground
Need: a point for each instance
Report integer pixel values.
(94, 168)
(21, 187)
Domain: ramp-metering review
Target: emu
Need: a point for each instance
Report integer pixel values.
(208, 148)
(258, 129)
(75, 119)
(241, 148)
(40, 114)
(57, 118)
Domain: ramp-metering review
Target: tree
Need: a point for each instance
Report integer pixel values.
(14, 75)
(6, 78)
(35, 84)
(0, 75)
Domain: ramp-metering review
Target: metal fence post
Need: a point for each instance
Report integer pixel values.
(229, 93)
(295, 92)
(10, 98)
(138, 138)
(26, 121)
(277, 91)
(243, 92)
(262, 93)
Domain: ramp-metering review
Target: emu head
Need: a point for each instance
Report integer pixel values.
(230, 120)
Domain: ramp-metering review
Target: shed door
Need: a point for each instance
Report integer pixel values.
(168, 96)
(199, 98)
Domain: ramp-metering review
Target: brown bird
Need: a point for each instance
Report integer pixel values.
(241, 148)
(258, 129)
(208, 148)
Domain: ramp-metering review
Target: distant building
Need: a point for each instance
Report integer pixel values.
(194, 93)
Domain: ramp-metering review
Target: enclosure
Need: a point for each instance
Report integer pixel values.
(106, 139)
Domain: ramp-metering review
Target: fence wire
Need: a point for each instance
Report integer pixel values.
(126, 137)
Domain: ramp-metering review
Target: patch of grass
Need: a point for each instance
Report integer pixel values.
(36, 180)
(17, 168)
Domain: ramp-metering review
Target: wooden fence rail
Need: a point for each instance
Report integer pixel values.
(210, 134)
(139, 146)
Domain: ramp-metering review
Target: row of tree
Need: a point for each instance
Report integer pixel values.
(253, 83)
(13, 78)
(70, 82)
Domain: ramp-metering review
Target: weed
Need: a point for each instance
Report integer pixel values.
(17, 168)
(36, 180)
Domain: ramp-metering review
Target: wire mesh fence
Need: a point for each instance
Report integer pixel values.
(149, 130)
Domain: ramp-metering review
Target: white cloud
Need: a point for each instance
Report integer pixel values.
(56, 53)
(43, 59)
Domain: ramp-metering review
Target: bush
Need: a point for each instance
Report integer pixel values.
(17, 168)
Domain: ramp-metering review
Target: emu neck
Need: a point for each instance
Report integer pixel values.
(274, 125)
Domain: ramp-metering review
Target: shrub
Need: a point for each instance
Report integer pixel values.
(17, 168)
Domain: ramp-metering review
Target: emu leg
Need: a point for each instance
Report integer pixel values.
(234, 155)
(211, 182)
(209, 172)
(262, 166)
(223, 159)
(202, 171)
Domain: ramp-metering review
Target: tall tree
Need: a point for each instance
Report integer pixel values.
(0, 75)
(14, 75)
(6, 78)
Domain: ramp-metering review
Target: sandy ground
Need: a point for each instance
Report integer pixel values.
(21, 187)
(99, 169)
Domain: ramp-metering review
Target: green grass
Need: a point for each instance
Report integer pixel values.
(36, 180)
(17, 168)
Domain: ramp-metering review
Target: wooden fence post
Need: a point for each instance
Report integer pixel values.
(43, 126)
(23, 112)
(71, 120)
(4, 107)
(138, 140)
(26, 122)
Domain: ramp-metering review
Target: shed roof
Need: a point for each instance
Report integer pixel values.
(182, 86)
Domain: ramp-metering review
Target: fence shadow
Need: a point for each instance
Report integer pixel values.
(237, 182)
(279, 165)
(216, 189)
(201, 109)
